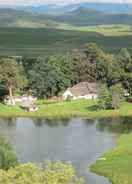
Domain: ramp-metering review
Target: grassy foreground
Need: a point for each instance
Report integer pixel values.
(81, 108)
(117, 163)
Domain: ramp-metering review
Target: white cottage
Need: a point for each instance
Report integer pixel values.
(19, 99)
(83, 90)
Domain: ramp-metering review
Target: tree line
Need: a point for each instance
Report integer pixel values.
(49, 76)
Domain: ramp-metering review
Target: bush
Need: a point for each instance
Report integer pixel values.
(129, 99)
(104, 97)
(7, 156)
(117, 94)
(52, 173)
(110, 98)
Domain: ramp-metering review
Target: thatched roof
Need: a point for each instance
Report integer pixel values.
(84, 88)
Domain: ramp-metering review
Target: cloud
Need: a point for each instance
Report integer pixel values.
(39, 2)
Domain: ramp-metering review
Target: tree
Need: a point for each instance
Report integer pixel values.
(90, 64)
(117, 94)
(11, 75)
(104, 97)
(103, 65)
(93, 52)
(124, 61)
(80, 67)
(7, 156)
(52, 173)
(50, 76)
(110, 98)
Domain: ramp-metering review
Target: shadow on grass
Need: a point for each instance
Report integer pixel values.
(92, 108)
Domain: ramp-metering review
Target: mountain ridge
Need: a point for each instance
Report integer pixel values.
(78, 17)
(58, 9)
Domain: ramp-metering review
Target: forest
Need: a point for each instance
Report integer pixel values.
(49, 76)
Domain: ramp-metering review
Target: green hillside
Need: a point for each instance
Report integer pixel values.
(40, 42)
(32, 34)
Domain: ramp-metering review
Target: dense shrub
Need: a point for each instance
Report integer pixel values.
(7, 156)
(104, 97)
(110, 98)
(52, 173)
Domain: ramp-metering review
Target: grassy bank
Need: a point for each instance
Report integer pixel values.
(117, 164)
(83, 108)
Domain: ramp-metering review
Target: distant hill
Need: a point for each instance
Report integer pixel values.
(86, 17)
(59, 9)
(19, 18)
(116, 8)
(49, 9)
(77, 17)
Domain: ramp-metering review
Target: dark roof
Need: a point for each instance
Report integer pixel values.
(84, 88)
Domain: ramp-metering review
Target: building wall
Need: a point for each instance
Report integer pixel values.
(66, 94)
(87, 97)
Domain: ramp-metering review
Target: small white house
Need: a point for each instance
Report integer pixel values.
(83, 90)
(19, 99)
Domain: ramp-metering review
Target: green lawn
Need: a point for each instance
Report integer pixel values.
(81, 108)
(117, 163)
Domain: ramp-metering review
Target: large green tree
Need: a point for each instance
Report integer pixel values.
(11, 75)
(49, 76)
(104, 97)
(84, 63)
(124, 60)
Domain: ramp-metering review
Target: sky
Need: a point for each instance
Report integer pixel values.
(39, 2)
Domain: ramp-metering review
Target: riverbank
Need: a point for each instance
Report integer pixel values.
(117, 163)
(81, 108)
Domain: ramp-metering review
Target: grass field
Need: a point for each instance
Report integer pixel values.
(106, 30)
(41, 42)
(83, 108)
(117, 164)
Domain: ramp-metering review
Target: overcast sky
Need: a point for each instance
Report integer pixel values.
(38, 2)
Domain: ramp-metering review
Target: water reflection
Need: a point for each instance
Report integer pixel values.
(8, 122)
(115, 125)
(50, 122)
(89, 122)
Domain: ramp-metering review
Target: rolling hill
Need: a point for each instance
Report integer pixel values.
(19, 18)
(60, 9)
(86, 17)
(30, 33)
(40, 42)
(78, 17)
